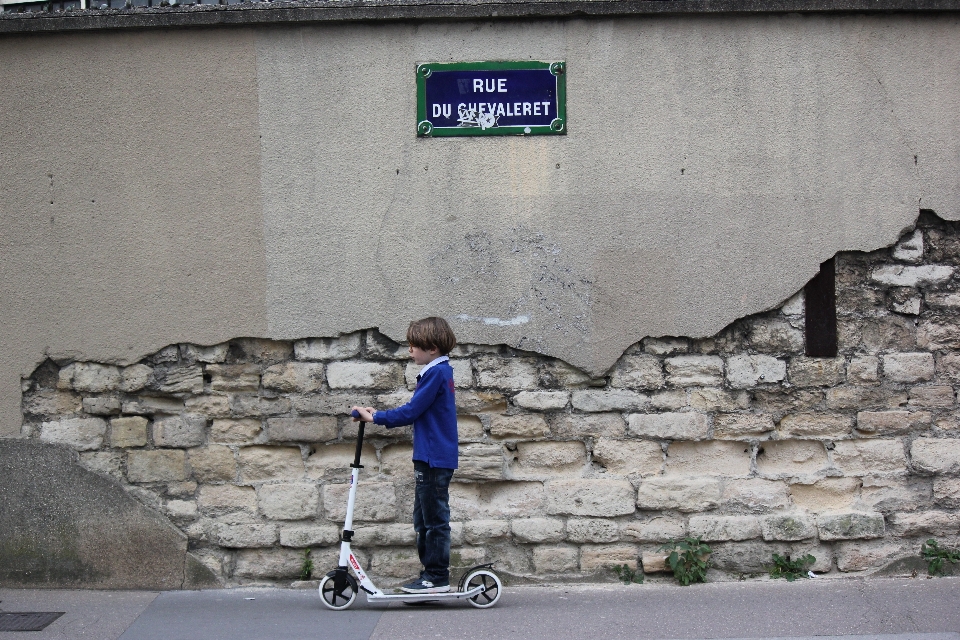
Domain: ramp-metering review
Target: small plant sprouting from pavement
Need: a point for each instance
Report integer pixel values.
(627, 575)
(934, 554)
(688, 560)
(306, 568)
(784, 567)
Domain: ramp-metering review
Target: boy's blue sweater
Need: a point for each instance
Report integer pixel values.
(433, 413)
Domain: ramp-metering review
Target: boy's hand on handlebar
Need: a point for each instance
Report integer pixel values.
(365, 414)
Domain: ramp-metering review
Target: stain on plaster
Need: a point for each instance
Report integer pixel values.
(557, 292)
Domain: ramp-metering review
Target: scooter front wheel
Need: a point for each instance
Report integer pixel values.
(492, 587)
(334, 600)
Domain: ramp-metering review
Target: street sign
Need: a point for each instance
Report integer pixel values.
(491, 99)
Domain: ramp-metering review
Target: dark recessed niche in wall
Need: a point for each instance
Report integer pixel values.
(821, 312)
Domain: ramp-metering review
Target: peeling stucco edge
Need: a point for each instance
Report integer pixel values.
(61, 357)
(710, 331)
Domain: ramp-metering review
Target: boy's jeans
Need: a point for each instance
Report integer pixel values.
(431, 520)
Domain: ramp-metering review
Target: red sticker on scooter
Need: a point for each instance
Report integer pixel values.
(353, 561)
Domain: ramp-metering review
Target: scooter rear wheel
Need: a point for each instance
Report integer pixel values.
(338, 601)
(492, 584)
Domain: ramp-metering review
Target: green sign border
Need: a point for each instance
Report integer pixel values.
(556, 128)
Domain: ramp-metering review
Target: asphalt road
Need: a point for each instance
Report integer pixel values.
(854, 609)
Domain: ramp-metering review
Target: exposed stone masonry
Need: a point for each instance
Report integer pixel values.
(739, 439)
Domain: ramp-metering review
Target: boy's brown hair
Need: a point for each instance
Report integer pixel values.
(432, 333)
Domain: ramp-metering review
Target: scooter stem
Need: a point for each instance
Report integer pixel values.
(356, 457)
(354, 481)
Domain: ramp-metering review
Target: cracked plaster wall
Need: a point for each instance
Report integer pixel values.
(267, 182)
(129, 197)
(711, 165)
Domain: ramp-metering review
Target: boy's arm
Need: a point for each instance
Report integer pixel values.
(422, 398)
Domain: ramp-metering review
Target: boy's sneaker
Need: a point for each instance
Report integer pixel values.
(422, 585)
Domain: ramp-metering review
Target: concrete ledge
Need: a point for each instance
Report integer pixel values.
(64, 526)
(325, 11)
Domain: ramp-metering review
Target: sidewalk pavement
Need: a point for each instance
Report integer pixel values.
(852, 608)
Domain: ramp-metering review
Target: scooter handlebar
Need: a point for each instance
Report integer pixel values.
(356, 457)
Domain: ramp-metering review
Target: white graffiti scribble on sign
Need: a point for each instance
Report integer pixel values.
(471, 118)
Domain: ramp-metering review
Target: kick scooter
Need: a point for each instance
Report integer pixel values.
(479, 585)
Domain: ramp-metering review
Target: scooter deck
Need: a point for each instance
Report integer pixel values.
(449, 595)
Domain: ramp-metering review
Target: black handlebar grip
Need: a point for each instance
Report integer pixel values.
(356, 457)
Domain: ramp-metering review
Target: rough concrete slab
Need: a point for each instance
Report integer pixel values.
(64, 526)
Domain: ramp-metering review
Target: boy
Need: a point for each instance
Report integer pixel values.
(433, 414)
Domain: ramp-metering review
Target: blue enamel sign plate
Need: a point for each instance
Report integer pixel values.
(491, 99)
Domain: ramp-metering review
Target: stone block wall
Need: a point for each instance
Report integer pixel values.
(739, 439)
